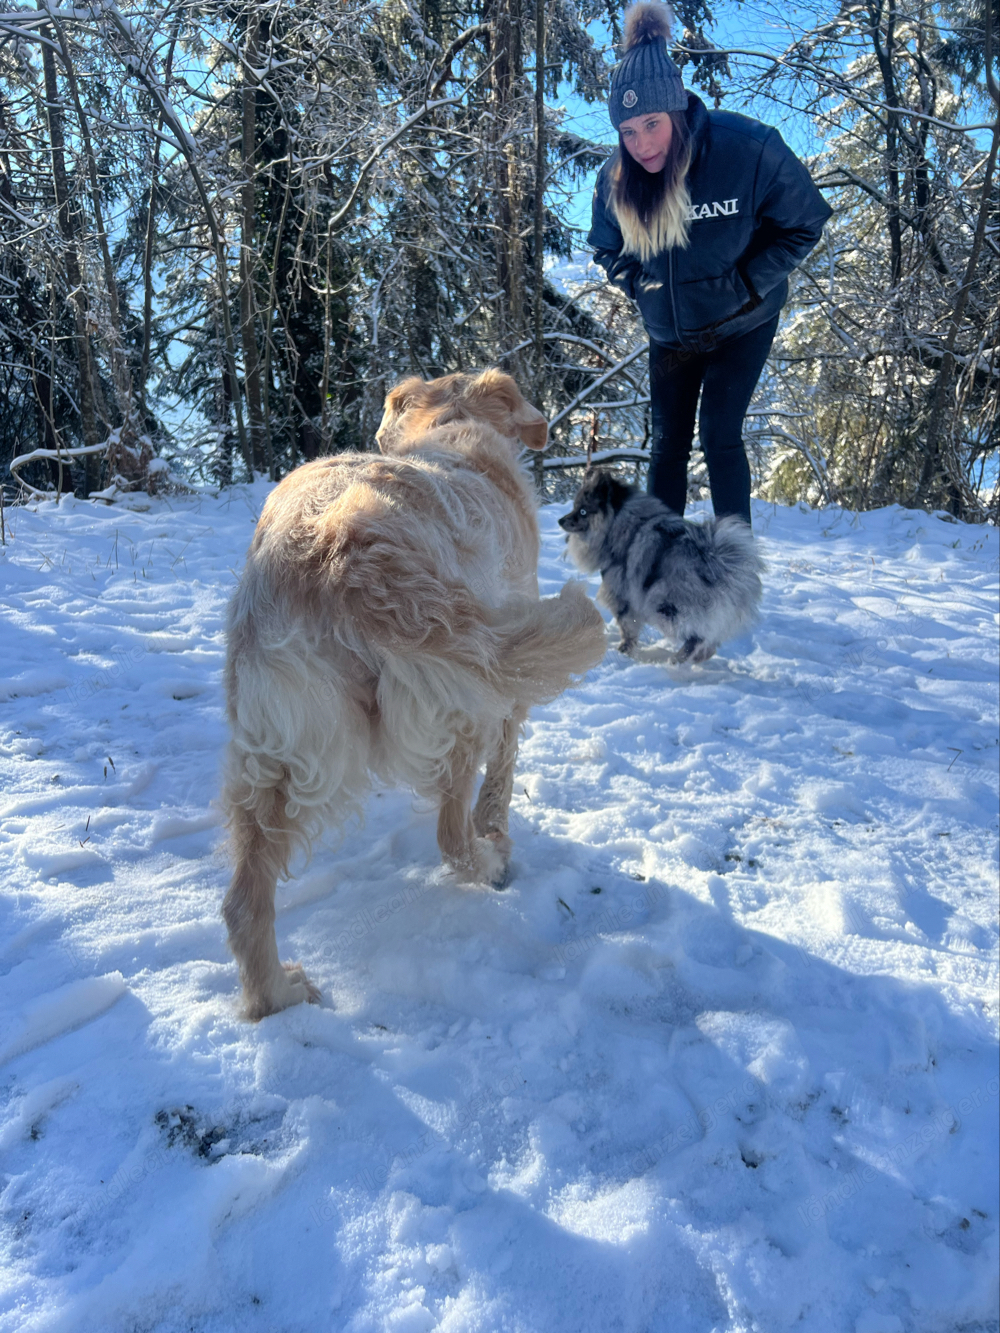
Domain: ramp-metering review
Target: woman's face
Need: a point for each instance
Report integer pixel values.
(647, 139)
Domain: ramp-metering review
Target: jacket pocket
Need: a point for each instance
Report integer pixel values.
(652, 298)
(625, 274)
(705, 303)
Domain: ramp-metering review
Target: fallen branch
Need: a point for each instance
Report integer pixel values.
(603, 456)
(58, 454)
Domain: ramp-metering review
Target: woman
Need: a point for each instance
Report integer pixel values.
(699, 216)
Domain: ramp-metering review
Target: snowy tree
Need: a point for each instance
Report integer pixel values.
(227, 229)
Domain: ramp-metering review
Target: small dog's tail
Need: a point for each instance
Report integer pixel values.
(733, 549)
(544, 645)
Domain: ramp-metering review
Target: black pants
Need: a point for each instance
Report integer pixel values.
(726, 375)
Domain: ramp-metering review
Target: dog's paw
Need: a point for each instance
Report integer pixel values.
(627, 647)
(486, 862)
(495, 849)
(693, 657)
(289, 987)
(301, 985)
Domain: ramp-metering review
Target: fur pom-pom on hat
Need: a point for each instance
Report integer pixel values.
(648, 21)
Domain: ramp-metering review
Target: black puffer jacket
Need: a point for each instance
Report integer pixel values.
(755, 214)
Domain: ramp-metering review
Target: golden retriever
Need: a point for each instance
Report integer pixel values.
(388, 627)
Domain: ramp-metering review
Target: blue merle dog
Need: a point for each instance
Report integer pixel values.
(697, 583)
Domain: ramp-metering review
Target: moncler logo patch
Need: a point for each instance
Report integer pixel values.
(629, 98)
(720, 208)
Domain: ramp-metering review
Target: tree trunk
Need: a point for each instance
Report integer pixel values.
(67, 225)
(884, 56)
(506, 76)
(935, 485)
(119, 366)
(933, 472)
(248, 331)
(149, 246)
(31, 320)
(538, 308)
(147, 281)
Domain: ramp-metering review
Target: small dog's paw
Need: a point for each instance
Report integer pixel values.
(626, 647)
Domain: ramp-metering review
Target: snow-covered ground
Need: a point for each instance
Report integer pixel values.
(722, 1057)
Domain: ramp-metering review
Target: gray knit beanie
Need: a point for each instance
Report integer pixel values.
(646, 79)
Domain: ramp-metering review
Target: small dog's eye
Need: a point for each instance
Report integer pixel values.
(583, 513)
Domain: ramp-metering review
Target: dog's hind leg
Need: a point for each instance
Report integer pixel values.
(492, 811)
(630, 625)
(475, 860)
(261, 842)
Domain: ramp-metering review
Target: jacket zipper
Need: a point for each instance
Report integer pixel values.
(673, 303)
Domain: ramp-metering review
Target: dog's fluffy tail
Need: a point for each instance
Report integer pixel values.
(737, 557)
(544, 645)
(522, 653)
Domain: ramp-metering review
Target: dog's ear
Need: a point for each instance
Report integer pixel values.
(618, 492)
(606, 489)
(597, 485)
(530, 425)
(494, 383)
(404, 395)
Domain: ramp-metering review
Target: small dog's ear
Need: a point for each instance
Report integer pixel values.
(618, 493)
(608, 489)
(597, 483)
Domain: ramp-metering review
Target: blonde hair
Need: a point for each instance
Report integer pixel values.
(653, 209)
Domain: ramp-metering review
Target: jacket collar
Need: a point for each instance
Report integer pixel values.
(697, 119)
